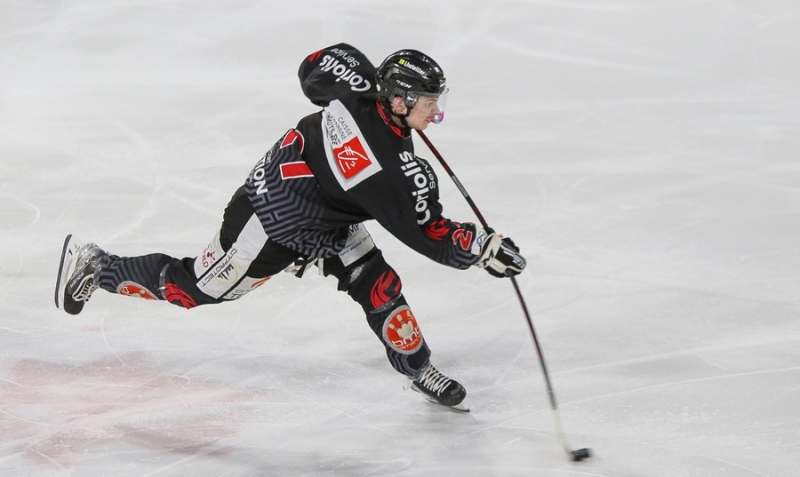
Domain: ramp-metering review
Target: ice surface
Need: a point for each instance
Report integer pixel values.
(644, 155)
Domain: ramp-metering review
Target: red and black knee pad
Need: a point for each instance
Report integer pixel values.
(378, 289)
(178, 285)
(371, 282)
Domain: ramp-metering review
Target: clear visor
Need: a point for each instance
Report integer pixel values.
(432, 105)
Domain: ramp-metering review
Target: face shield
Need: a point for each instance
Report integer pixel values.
(430, 105)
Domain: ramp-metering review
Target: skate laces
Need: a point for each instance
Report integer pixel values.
(433, 380)
(82, 281)
(85, 289)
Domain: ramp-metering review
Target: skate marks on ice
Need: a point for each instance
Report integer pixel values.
(55, 415)
(75, 418)
(641, 122)
(17, 213)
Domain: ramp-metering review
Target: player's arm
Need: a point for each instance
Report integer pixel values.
(424, 229)
(496, 254)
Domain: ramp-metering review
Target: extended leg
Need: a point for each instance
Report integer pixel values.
(238, 259)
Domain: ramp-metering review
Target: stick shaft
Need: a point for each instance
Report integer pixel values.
(454, 178)
(550, 392)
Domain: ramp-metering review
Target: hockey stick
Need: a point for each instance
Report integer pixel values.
(577, 454)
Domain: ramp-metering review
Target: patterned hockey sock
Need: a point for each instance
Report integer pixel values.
(132, 276)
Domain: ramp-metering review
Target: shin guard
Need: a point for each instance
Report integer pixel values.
(378, 289)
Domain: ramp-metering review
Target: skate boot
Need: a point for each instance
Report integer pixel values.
(75, 282)
(438, 388)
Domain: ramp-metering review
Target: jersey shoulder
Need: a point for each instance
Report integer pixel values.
(337, 72)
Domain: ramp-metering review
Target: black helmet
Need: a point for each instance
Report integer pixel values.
(408, 74)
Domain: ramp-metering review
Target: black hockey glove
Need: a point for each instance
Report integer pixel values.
(500, 257)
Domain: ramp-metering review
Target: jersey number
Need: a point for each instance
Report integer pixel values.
(462, 238)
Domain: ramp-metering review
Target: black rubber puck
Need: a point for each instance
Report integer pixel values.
(580, 454)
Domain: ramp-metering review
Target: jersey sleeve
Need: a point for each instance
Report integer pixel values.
(457, 244)
(411, 211)
(337, 72)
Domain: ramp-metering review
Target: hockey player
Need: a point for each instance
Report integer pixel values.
(304, 204)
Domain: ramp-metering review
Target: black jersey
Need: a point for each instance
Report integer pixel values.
(363, 167)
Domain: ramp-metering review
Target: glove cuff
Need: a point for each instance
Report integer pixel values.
(486, 246)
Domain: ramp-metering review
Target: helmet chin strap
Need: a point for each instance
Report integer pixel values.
(402, 118)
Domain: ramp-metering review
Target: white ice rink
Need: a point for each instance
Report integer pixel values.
(643, 154)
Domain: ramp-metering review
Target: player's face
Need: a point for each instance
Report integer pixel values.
(427, 110)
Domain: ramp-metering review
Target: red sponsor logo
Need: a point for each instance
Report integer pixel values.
(402, 332)
(208, 259)
(135, 290)
(351, 158)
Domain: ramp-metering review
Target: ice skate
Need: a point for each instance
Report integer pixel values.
(438, 388)
(75, 282)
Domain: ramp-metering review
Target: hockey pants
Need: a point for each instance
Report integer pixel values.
(241, 258)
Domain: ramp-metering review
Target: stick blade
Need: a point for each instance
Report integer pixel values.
(579, 454)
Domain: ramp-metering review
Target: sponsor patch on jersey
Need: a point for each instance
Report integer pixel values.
(343, 65)
(135, 290)
(402, 332)
(350, 158)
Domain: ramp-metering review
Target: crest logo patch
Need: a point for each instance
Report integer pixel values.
(135, 290)
(402, 332)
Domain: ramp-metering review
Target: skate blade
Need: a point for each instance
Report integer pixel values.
(65, 268)
(460, 407)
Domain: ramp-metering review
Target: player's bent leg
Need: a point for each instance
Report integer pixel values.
(375, 285)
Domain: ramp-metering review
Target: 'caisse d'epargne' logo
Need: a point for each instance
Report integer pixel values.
(402, 332)
(351, 158)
